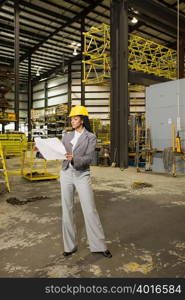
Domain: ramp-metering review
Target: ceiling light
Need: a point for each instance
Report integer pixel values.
(38, 73)
(75, 52)
(134, 20)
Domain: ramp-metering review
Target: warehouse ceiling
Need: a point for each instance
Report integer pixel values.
(50, 30)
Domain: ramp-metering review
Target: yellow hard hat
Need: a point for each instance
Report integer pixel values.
(78, 110)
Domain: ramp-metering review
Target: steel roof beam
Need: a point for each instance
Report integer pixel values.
(73, 11)
(44, 24)
(2, 2)
(44, 10)
(46, 17)
(5, 59)
(137, 77)
(153, 36)
(157, 24)
(57, 68)
(54, 14)
(38, 37)
(102, 5)
(11, 45)
(158, 12)
(26, 10)
(77, 17)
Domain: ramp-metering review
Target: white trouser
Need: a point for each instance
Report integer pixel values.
(71, 179)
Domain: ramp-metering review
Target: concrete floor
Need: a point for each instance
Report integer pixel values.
(145, 228)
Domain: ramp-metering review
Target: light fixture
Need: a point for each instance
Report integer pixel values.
(75, 47)
(134, 20)
(38, 71)
(75, 51)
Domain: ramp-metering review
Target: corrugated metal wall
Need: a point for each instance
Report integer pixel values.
(23, 104)
(57, 92)
(97, 97)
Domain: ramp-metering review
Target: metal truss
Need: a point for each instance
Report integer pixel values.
(97, 53)
(144, 55)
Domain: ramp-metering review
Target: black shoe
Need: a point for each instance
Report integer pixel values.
(69, 253)
(105, 253)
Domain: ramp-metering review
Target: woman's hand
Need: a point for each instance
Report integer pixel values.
(35, 148)
(69, 156)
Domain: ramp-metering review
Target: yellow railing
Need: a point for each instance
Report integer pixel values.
(34, 168)
(144, 55)
(13, 143)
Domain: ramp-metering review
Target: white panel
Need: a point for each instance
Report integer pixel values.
(23, 105)
(24, 97)
(39, 86)
(57, 91)
(136, 95)
(76, 67)
(58, 100)
(99, 116)
(11, 96)
(97, 102)
(76, 96)
(137, 101)
(98, 109)
(97, 95)
(96, 88)
(76, 81)
(10, 126)
(137, 109)
(162, 109)
(76, 102)
(57, 81)
(10, 110)
(38, 95)
(23, 114)
(76, 63)
(76, 88)
(76, 75)
(38, 104)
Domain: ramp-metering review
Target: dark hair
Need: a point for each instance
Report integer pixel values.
(86, 122)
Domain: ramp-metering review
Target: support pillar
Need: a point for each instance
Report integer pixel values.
(30, 100)
(181, 57)
(119, 89)
(69, 84)
(46, 94)
(82, 65)
(16, 62)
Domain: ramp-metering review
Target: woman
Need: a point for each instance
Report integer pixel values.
(80, 145)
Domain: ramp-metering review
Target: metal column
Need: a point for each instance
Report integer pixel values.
(46, 94)
(69, 83)
(29, 99)
(181, 57)
(82, 65)
(119, 89)
(16, 62)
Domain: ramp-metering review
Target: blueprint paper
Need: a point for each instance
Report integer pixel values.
(51, 148)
